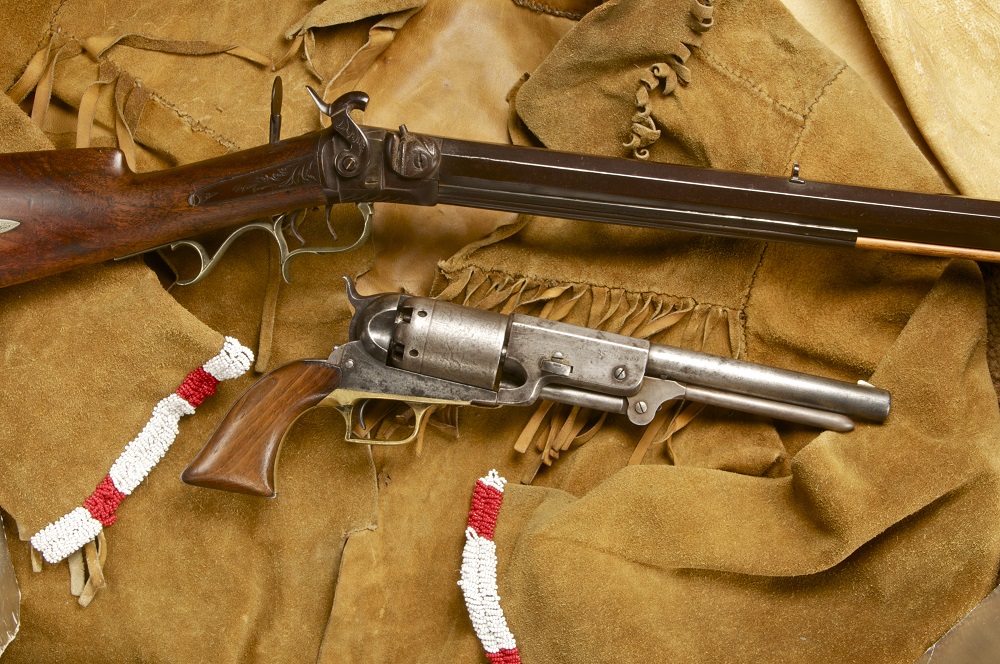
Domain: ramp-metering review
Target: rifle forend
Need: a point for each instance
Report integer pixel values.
(425, 353)
(62, 209)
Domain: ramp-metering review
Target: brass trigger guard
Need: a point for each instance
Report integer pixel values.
(420, 412)
(274, 228)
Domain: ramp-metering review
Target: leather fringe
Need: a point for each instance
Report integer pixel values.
(554, 429)
(130, 97)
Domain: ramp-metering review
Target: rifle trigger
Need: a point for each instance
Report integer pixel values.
(329, 222)
(286, 256)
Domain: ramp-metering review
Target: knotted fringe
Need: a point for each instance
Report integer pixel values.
(668, 74)
(553, 429)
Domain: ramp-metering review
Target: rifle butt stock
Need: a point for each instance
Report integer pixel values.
(62, 209)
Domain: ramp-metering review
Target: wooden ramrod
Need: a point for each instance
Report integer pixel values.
(66, 208)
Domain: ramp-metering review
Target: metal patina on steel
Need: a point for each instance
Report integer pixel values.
(419, 354)
(84, 206)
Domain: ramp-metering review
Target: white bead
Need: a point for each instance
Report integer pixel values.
(59, 539)
(494, 480)
(479, 586)
(232, 361)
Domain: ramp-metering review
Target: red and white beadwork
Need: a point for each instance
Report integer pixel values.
(479, 572)
(59, 539)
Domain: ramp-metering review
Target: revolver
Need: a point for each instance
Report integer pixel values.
(426, 353)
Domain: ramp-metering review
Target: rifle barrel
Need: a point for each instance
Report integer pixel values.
(670, 196)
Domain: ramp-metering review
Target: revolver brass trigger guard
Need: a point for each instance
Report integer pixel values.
(353, 415)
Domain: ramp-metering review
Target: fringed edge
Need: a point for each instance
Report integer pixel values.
(644, 315)
(327, 14)
(479, 572)
(554, 429)
(86, 570)
(668, 74)
(78, 529)
(130, 97)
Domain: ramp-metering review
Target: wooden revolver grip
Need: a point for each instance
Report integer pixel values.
(241, 454)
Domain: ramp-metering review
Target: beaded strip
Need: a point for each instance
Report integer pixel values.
(479, 572)
(59, 539)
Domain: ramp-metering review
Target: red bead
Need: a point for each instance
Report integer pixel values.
(103, 502)
(198, 386)
(486, 501)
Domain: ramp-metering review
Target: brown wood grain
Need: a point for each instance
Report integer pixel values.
(242, 453)
(923, 249)
(82, 206)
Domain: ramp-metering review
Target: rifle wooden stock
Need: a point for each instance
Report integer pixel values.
(242, 453)
(59, 210)
(82, 206)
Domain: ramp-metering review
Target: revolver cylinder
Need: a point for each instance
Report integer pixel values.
(447, 341)
(517, 359)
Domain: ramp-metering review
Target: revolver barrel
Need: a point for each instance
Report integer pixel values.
(517, 359)
(692, 368)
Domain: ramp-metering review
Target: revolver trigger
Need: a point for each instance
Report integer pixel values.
(376, 421)
(362, 411)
